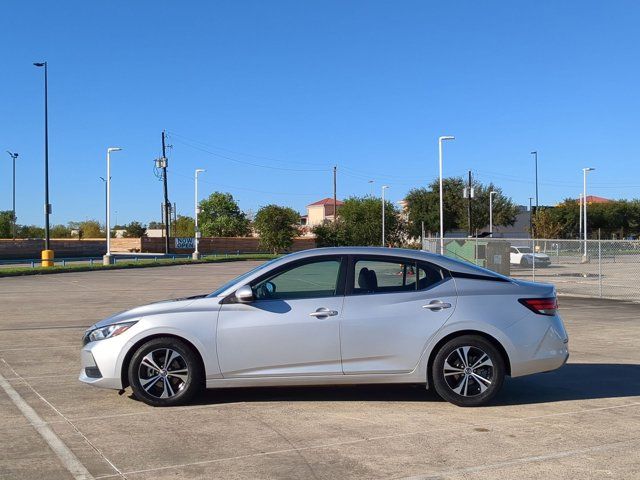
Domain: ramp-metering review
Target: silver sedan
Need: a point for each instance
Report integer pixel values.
(333, 316)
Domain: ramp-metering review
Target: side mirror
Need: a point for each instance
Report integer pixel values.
(244, 294)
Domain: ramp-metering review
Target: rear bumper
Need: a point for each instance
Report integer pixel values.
(543, 345)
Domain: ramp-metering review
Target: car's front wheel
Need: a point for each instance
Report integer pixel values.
(164, 372)
(468, 371)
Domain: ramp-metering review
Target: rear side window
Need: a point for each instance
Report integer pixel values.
(393, 275)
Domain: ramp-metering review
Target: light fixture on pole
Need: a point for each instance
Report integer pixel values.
(13, 156)
(106, 259)
(584, 210)
(196, 253)
(491, 194)
(47, 254)
(384, 187)
(440, 140)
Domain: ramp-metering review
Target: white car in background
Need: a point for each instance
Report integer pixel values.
(524, 257)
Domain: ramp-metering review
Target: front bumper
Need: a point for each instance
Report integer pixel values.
(101, 363)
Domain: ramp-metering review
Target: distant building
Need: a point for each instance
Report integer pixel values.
(320, 212)
(594, 199)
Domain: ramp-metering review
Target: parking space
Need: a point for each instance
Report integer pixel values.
(582, 421)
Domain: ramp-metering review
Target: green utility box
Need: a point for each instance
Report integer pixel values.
(489, 253)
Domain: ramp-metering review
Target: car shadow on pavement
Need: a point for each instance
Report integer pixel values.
(574, 381)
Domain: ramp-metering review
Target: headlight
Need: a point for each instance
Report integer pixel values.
(109, 331)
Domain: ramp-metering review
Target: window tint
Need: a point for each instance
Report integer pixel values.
(309, 280)
(383, 276)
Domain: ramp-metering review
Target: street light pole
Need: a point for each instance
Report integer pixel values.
(196, 253)
(13, 156)
(530, 218)
(440, 140)
(47, 254)
(491, 194)
(106, 260)
(105, 204)
(535, 156)
(584, 209)
(580, 217)
(384, 187)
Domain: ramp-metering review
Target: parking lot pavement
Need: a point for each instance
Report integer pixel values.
(582, 421)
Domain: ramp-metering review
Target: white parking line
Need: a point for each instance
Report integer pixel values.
(69, 422)
(66, 456)
(524, 460)
(505, 423)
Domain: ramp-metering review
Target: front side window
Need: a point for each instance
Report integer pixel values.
(309, 280)
(386, 276)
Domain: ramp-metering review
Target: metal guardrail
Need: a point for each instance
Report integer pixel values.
(36, 262)
(601, 268)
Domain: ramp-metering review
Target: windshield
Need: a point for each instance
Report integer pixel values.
(524, 250)
(222, 288)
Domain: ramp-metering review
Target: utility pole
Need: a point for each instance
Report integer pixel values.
(335, 198)
(167, 218)
(470, 194)
(13, 156)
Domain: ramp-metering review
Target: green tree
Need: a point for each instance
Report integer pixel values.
(60, 231)
(423, 205)
(135, 230)
(277, 227)
(360, 224)
(29, 231)
(6, 224)
(220, 216)
(184, 226)
(545, 225)
(90, 229)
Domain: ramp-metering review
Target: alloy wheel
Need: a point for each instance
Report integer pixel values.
(163, 373)
(468, 371)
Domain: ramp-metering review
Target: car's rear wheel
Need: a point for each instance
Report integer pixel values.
(468, 371)
(164, 372)
(524, 262)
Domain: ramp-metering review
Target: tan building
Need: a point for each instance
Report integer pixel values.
(321, 211)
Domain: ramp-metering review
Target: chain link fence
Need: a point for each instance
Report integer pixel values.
(595, 268)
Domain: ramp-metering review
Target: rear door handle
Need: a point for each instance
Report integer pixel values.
(324, 312)
(436, 305)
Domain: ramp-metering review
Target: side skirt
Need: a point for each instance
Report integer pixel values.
(313, 380)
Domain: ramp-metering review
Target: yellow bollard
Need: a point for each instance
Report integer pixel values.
(47, 258)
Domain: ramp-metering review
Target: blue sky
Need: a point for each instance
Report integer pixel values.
(299, 86)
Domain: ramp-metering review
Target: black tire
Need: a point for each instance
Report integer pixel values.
(169, 389)
(524, 262)
(452, 387)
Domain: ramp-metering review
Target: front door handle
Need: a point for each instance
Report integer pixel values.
(436, 305)
(324, 312)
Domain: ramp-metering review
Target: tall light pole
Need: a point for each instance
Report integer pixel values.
(13, 156)
(384, 187)
(106, 260)
(491, 194)
(196, 253)
(535, 156)
(370, 182)
(530, 217)
(440, 140)
(584, 208)
(47, 254)
(106, 209)
(580, 217)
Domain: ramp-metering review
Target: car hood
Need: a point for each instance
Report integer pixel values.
(536, 255)
(165, 306)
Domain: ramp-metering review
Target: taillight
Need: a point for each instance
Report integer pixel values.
(541, 306)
